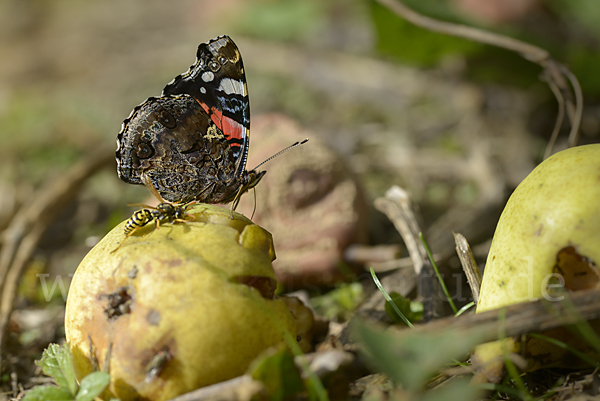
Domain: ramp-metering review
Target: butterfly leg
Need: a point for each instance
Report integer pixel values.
(238, 197)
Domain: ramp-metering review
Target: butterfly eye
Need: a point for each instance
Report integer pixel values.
(144, 150)
(214, 66)
(166, 120)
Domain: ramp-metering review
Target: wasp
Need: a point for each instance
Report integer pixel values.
(164, 212)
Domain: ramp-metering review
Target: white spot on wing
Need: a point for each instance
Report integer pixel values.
(202, 90)
(230, 86)
(208, 76)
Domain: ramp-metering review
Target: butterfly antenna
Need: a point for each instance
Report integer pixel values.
(292, 146)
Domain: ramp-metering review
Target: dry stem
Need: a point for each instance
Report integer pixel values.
(397, 207)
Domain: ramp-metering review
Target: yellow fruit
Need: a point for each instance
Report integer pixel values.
(176, 308)
(550, 227)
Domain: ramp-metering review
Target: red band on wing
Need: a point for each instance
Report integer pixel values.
(217, 116)
(233, 130)
(204, 106)
(230, 128)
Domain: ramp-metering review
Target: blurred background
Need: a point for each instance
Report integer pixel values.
(457, 123)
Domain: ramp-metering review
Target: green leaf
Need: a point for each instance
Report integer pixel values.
(412, 310)
(402, 303)
(276, 369)
(339, 302)
(48, 393)
(411, 357)
(406, 42)
(460, 390)
(389, 299)
(581, 13)
(92, 386)
(57, 362)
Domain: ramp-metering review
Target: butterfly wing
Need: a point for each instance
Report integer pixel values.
(217, 81)
(170, 143)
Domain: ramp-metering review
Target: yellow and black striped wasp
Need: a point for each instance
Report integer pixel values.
(164, 212)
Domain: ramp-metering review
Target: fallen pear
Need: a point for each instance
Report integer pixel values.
(171, 309)
(547, 240)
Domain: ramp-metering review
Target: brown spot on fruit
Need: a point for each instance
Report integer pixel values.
(153, 317)
(119, 302)
(133, 272)
(174, 262)
(578, 271)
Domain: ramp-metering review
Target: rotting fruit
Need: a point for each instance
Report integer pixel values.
(178, 307)
(547, 239)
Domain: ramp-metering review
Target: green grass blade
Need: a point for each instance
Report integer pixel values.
(562, 345)
(389, 299)
(465, 308)
(437, 273)
(511, 369)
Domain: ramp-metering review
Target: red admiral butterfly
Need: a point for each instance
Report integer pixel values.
(191, 143)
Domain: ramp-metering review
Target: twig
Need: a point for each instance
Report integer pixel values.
(397, 207)
(576, 120)
(467, 260)
(244, 388)
(29, 224)
(559, 118)
(523, 318)
(530, 52)
(554, 71)
(366, 254)
(241, 388)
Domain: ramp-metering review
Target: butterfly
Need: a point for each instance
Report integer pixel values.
(191, 143)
